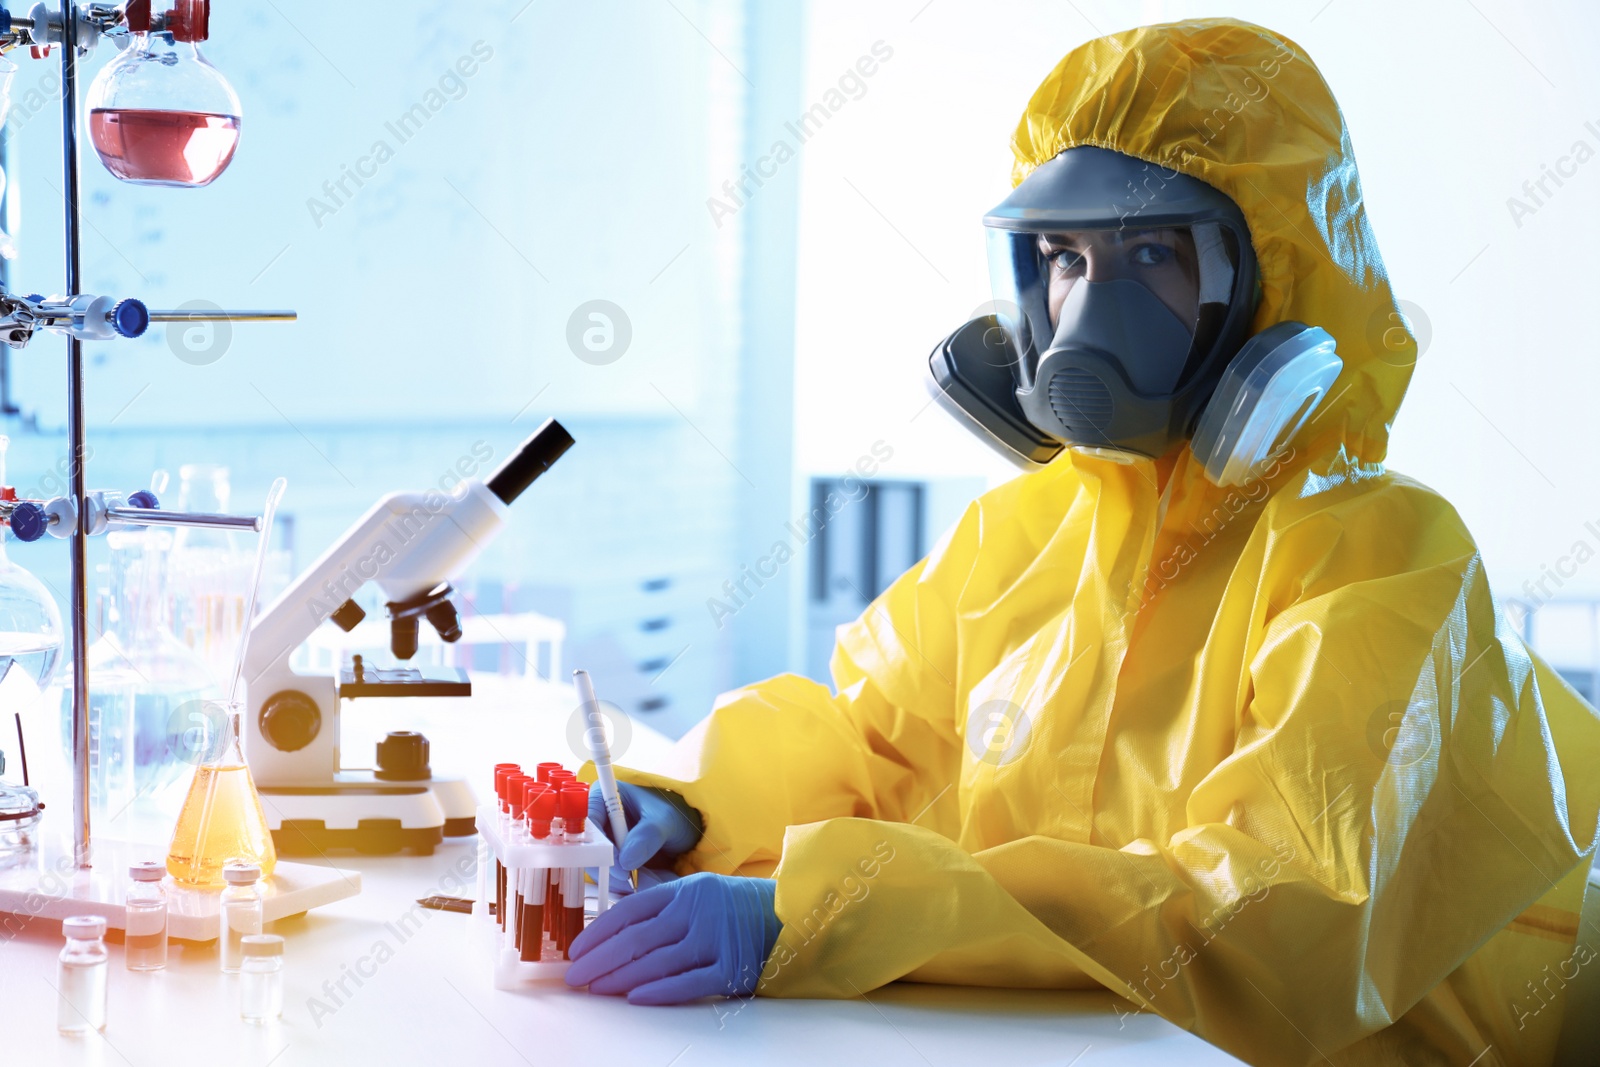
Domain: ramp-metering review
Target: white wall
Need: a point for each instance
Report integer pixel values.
(1451, 105)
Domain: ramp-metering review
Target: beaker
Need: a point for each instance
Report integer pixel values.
(221, 821)
(159, 114)
(30, 623)
(143, 683)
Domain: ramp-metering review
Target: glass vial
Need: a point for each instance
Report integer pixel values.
(145, 946)
(261, 978)
(242, 911)
(82, 978)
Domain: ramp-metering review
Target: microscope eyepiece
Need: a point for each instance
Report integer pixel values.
(542, 448)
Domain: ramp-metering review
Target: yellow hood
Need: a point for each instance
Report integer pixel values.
(1246, 111)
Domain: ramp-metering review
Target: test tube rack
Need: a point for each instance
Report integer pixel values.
(521, 855)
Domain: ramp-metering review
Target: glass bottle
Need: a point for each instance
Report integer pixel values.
(221, 822)
(261, 978)
(210, 573)
(159, 114)
(145, 945)
(242, 912)
(143, 683)
(81, 980)
(30, 623)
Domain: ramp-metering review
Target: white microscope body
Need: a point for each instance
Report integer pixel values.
(411, 545)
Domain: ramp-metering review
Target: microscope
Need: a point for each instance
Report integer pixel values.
(412, 545)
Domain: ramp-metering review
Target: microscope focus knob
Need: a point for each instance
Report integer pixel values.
(348, 616)
(403, 757)
(290, 720)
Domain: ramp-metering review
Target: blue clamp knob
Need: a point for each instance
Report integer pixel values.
(5, 20)
(28, 521)
(143, 498)
(130, 317)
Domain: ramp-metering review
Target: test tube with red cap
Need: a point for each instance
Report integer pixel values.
(513, 793)
(530, 917)
(543, 770)
(501, 772)
(542, 813)
(515, 797)
(574, 805)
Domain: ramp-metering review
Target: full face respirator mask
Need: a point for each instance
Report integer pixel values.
(1124, 294)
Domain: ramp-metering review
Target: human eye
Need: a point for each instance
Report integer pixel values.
(1064, 260)
(1152, 254)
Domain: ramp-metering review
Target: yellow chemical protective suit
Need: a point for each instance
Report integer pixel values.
(1264, 760)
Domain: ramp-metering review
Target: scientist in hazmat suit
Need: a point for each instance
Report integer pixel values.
(1213, 710)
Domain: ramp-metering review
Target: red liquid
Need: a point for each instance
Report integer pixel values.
(185, 148)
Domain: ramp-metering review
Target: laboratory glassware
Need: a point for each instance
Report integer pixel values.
(30, 623)
(261, 978)
(145, 946)
(19, 819)
(208, 572)
(81, 981)
(159, 114)
(8, 71)
(242, 912)
(221, 821)
(144, 683)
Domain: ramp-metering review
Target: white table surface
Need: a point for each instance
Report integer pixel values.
(428, 997)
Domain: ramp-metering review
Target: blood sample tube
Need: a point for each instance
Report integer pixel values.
(532, 944)
(513, 791)
(516, 792)
(543, 770)
(541, 812)
(560, 776)
(502, 771)
(574, 806)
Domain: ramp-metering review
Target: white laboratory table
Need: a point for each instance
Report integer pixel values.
(419, 991)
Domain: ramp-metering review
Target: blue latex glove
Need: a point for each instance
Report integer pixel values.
(706, 935)
(661, 827)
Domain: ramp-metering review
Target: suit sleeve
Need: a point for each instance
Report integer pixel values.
(1325, 881)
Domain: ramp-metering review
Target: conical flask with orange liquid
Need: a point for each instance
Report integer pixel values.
(221, 821)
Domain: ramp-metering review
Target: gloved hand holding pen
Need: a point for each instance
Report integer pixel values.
(661, 827)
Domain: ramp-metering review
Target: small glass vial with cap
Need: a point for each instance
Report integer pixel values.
(145, 946)
(82, 977)
(242, 911)
(261, 978)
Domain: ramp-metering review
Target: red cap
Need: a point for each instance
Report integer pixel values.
(560, 777)
(532, 789)
(541, 809)
(575, 805)
(544, 770)
(189, 20)
(138, 16)
(514, 793)
(501, 772)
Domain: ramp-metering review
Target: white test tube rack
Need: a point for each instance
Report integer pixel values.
(519, 852)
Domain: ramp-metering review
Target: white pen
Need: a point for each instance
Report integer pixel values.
(600, 752)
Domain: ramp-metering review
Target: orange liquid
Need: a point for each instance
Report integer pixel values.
(221, 821)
